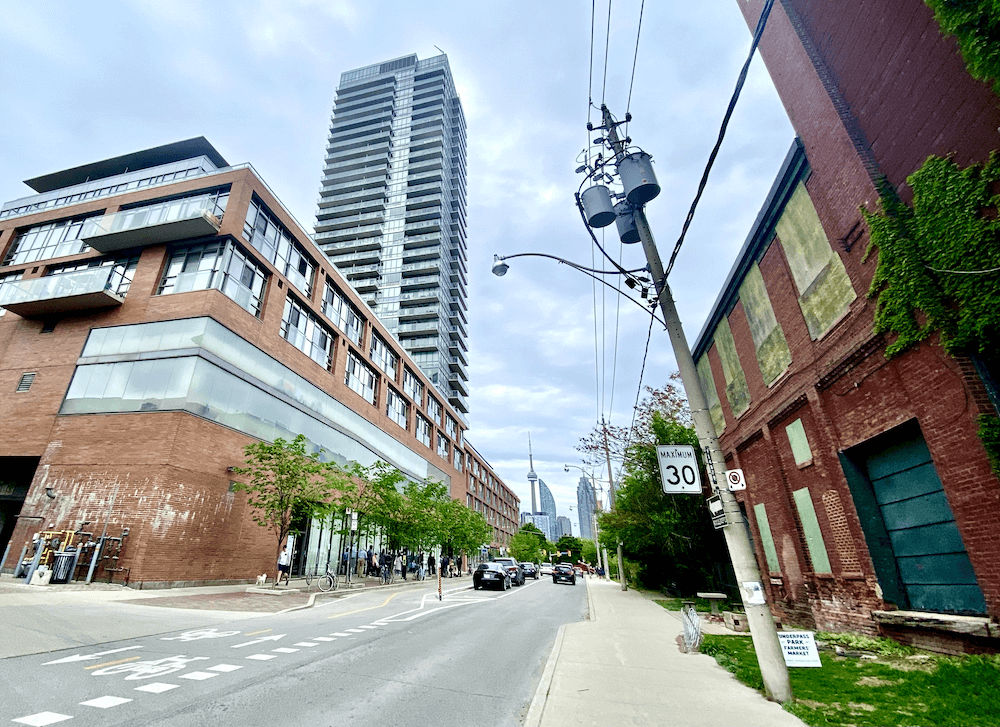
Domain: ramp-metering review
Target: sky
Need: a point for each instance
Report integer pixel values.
(548, 356)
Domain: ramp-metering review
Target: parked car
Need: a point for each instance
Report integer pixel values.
(514, 568)
(530, 570)
(546, 569)
(491, 575)
(564, 573)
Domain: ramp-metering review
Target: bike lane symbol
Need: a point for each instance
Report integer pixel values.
(198, 634)
(152, 668)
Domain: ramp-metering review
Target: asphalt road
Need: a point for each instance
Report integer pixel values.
(375, 658)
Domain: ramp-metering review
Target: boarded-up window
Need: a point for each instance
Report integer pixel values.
(736, 381)
(711, 395)
(799, 442)
(766, 540)
(825, 291)
(773, 355)
(810, 528)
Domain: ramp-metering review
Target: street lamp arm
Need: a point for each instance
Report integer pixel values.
(500, 269)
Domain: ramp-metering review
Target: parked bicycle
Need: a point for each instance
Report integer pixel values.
(326, 582)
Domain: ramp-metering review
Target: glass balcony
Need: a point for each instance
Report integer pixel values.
(79, 290)
(153, 224)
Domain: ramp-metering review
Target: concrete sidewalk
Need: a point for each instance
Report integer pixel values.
(624, 667)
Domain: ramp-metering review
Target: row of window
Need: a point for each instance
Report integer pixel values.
(102, 192)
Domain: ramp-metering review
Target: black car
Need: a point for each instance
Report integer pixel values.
(530, 570)
(490, 575)
(514, 568)
(564, 573)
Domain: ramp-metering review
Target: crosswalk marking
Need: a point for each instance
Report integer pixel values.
(284, 650)
(156, 687)
(105, 702)
(199, 676)
(225, 668)
(42, 718)
(262, 657)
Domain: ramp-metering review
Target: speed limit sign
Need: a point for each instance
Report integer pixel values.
(679, 472)
(736, 480)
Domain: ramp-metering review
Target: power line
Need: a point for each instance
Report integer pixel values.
(635, 57)
(722, 133)
(607, 44)
(590, 76)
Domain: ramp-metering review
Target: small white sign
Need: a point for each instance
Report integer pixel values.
(753, 593)
(799, 648)
(679, 473)
(735, 480)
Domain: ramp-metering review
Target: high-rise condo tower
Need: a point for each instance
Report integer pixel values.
(392, 208)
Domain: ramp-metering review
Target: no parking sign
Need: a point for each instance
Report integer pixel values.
(736, 480)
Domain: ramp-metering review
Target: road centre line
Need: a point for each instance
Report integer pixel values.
(112, 663)
(257, 633)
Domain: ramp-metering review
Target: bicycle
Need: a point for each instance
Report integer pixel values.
(326, 582)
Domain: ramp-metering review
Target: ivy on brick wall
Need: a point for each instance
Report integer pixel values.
(939, 265)
(976, 26)
(939, 259)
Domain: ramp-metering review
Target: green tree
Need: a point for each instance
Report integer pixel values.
(285, 480)
(669, 536)
(589, 553)
(571, 544)
(526, 545)
(461, 529)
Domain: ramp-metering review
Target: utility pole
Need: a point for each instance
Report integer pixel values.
(611, 494)
(762, 630)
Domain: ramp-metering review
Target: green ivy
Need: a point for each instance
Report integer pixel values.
(989, 433)
(952, 225)
(976, 26)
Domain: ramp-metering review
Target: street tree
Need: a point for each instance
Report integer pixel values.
(589, 553)
(572, 545)
(284, 480)
(527, 545)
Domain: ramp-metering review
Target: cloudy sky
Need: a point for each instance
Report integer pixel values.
(86, 81)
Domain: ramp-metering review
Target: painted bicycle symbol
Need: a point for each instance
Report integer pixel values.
(198, 634)
(147, 669)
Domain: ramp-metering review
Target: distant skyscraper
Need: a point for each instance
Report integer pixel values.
(564, 525)
(586, 504)
(392, 208)
(542, 522)
(547, 506)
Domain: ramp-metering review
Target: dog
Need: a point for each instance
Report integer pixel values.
(262, 579)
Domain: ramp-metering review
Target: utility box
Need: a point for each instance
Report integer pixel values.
(41, 577)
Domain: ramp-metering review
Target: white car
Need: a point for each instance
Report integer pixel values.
(546, 569)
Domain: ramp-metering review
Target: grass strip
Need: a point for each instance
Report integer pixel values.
(892, 689)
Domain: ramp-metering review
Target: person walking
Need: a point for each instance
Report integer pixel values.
(420, 566)
(404, 563)
(397, 563)
(430, 565)
(284, 565)
(445, 573)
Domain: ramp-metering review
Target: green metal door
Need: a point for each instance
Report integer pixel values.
(933, 568)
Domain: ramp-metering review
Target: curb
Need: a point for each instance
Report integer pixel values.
(537, 708)
(591, 613)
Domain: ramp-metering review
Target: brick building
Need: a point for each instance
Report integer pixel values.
(161, 310)
(870, 497)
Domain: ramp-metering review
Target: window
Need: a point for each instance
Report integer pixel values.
(361, 378)
(434, 409)
(810, 528)
(459, 460)
(345, 316)
(383, 356)
(156, 212)
(412, 386)
(451, 427)
(49, 240)
(304, 331)
(443, 446)
(423, 431)
(766, 539)
(216, 265)
(396, 407)
(266, 234)
(799, 443)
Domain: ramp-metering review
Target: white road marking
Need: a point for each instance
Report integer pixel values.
(306, 644)
(42, 718)
(339, 633)
(105, 702)
(259, 641)
(199, 676)
(323, 638)
(225, 668)
(355, 631)
(369, 626)
(284, 650)
(262, 657)
(86, 657)
(156, 687)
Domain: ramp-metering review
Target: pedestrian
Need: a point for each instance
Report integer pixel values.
(397, 564)
(430, 564)
(420, 566)
(403, 563)
(444, 566)
(372, 562)
(284, 565)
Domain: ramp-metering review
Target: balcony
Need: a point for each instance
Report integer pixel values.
(80, 290)
(151, 225)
